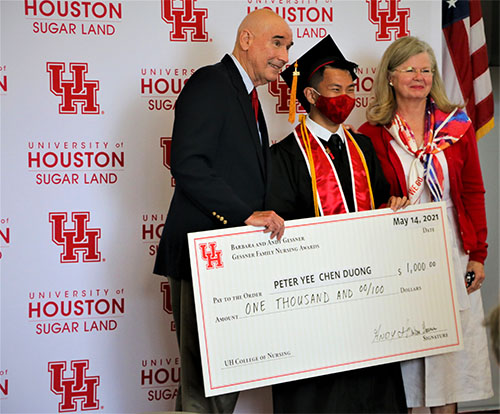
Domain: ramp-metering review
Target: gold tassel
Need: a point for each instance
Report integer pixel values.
(293, 94)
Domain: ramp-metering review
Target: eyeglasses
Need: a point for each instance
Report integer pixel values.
(410, 70)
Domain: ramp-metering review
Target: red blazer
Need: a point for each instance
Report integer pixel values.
(466, 184)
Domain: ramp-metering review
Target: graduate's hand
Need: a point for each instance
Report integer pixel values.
(398, 202)
(273, 223)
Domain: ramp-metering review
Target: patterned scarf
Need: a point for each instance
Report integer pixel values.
(441, 131)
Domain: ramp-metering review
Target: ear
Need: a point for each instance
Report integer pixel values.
(389, 79)
(245, 39)
(310, 95)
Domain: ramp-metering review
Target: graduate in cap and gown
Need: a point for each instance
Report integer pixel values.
(323, 168)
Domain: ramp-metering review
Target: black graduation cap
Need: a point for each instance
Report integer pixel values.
(325, 52)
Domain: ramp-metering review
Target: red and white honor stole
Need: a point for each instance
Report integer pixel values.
(325, 182)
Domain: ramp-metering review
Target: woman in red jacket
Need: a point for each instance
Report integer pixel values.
(427, 149)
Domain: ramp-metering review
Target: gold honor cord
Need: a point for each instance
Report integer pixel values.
(307, 145)
(372, 201)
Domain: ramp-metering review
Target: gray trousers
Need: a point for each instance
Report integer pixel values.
(191, 396)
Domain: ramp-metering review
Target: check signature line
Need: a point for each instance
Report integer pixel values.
(376, 341)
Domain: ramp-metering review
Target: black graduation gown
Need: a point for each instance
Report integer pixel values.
(291, 191)
(368, 390)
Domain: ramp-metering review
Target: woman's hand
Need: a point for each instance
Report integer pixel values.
(478, 269)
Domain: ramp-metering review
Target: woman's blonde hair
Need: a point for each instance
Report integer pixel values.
(382, 107)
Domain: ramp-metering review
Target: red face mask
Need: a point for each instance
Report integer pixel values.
(337, 108)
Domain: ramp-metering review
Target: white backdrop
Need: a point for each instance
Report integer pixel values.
(87, 90)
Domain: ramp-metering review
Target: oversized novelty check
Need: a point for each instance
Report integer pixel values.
(336, 293)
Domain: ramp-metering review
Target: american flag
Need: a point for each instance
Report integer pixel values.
(465, 62)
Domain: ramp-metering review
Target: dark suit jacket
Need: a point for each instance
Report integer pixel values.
(218, 162)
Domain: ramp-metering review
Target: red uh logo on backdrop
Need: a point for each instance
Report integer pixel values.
(279, 89)
(166, 145)
(76, 387)
(185, 19)
(167, 302)
(76, 90)
(77, 239)
(389, 19)
(211, 256)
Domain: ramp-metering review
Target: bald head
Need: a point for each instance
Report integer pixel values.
(257, 21)
(262, 44)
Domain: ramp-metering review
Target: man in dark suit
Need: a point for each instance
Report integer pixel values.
(221, 164)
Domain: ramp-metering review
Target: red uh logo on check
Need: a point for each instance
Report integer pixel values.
(390, 19)
(211, 256)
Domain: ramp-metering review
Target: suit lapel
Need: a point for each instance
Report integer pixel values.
(246, 106)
